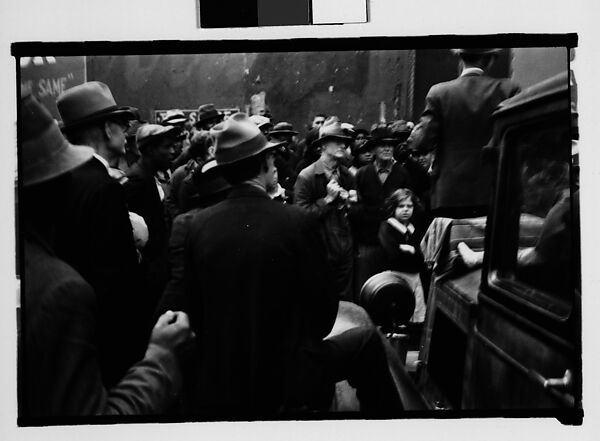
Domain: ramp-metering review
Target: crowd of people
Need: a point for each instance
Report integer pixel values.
(198, 268)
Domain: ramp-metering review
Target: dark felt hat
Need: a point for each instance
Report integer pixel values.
(207, 112)
(209, 181)
(381, 135)
(238, 138)
(148, 133)
(283, 128)
(45, 153)
(90, 102)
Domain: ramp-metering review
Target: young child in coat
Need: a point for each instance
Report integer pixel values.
(401, 244)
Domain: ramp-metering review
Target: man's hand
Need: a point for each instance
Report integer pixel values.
(333, 191)
(172, 332)
(407, 248)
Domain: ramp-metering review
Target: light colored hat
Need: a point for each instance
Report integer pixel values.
(89, 102)
(331, 129)
(238, 138)
(45, 153)
(262, 122)
(172, 117)
(150, 132)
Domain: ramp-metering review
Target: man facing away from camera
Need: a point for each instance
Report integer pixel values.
(456, 125)
(261, 301)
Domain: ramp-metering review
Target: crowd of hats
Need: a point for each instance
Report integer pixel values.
(237, 137)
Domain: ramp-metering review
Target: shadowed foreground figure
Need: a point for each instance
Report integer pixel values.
(260, 300)
(96, 236)
(59, 373)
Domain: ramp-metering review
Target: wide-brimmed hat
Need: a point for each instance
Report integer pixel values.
(331, 129)
(208, 112)
(45, 153)
(381, 135)
(283, 128)
(173, 117)
(359, 130)
(262, 122)
(89, 102)
(476, 51)
(238, 138)
(149, 133)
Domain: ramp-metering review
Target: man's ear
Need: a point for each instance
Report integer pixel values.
(107, 129)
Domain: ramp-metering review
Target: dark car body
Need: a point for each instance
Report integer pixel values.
(505, 338)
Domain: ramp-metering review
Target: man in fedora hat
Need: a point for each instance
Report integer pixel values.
(208, 117)
(374, 183)
(259, 295)
(145, 196)
(263, 123)
(326, 189)
(176, 118)
(59, 358)
(249, 267)
(456, 125)
(96, 237)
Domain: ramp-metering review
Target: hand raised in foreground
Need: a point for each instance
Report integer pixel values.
(407, 248)
(172, 332)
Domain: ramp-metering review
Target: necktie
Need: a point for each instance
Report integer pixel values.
(383, 174)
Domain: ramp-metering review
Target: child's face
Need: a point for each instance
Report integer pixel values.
(404, 210)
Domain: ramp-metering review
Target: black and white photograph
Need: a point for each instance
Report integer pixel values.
(289, 235)
(334, 231)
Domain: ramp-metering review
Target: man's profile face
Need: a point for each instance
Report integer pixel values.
(118, 135)
(271, 173)
(318, 121)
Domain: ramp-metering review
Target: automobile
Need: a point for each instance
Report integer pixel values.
(503, 337)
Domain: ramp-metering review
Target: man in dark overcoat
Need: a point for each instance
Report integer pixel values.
(145, 196)
(326, 189)
(60, 373)
(456, 125)
(260, 298)
(374, 183)
(96, 236)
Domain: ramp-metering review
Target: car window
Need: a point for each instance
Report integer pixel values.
(543, 263)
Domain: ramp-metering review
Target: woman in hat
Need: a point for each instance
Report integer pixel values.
(361, 156)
